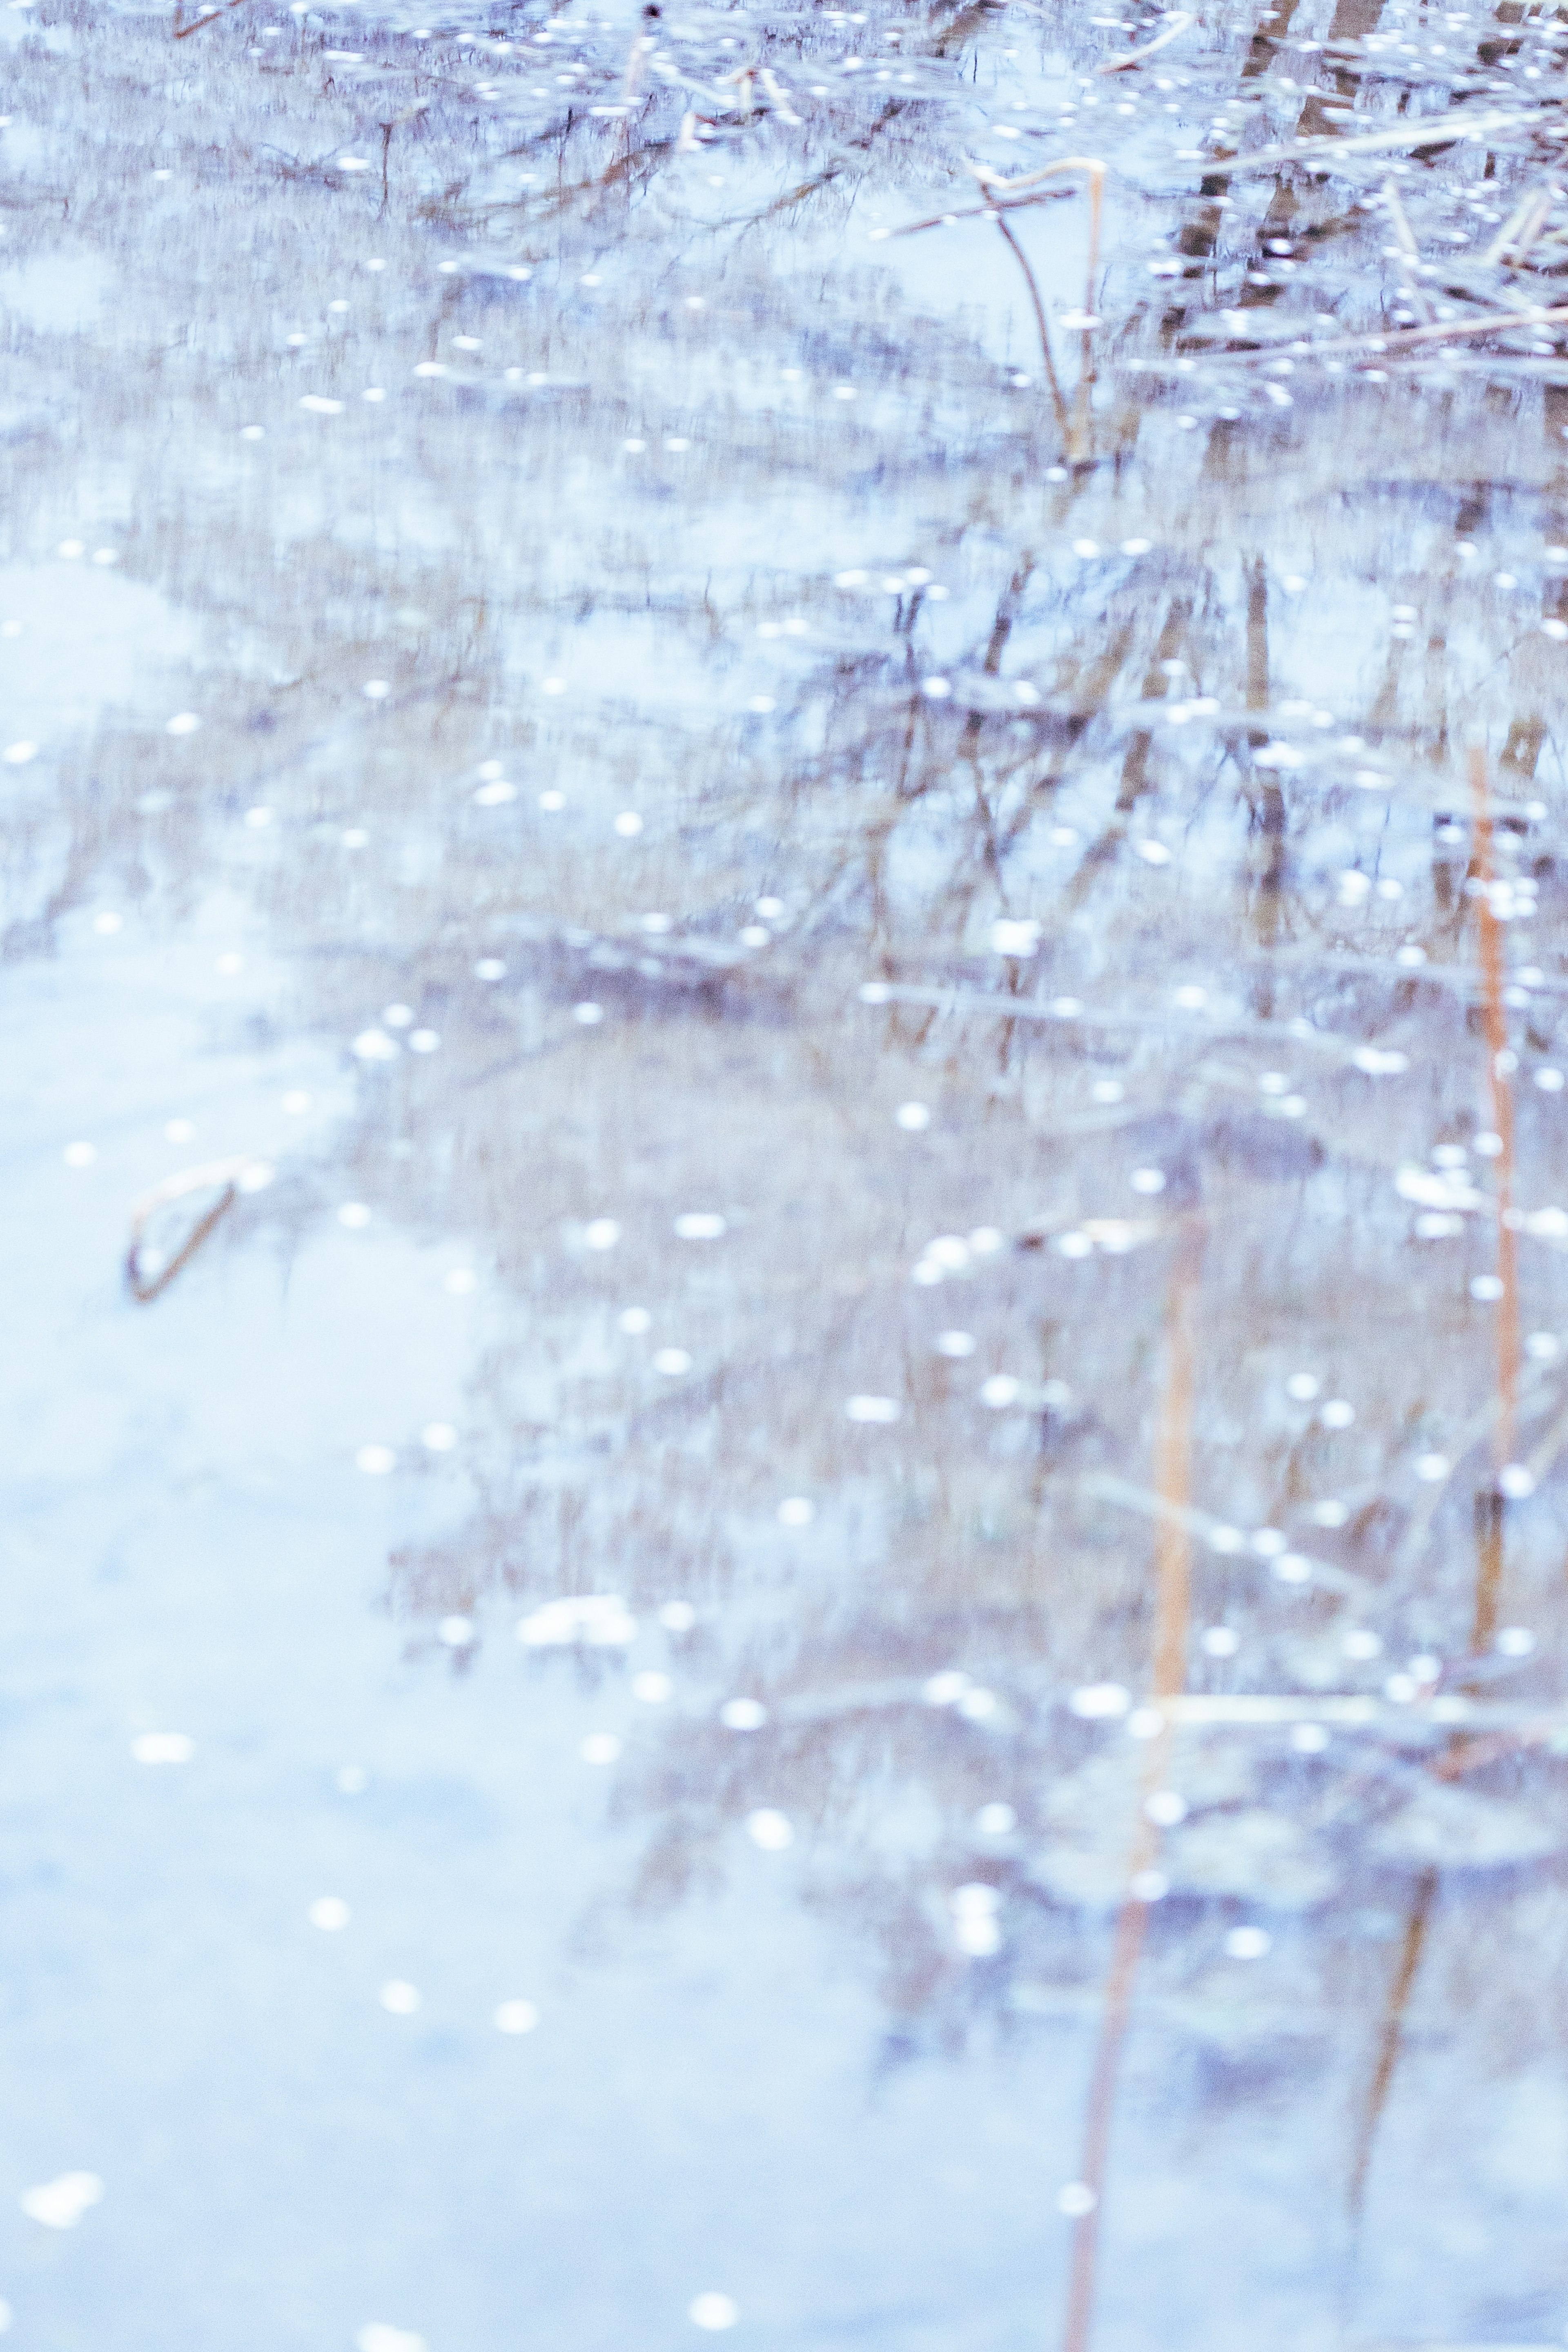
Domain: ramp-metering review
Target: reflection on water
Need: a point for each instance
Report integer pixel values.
(785, 1535)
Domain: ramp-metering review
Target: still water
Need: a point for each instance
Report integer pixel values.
(783, 977)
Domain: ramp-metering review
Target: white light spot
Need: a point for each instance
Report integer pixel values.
(516, 2017)
(1094, 1701)
(1303, 1387)
(1338, 1413)
(17, 755)
(678, 1616)
(80, 1155)
(1516, 1642)
(601, 1232)
(401, 1997)
(460, 1281)
(1221, 1641)
(769, 1830)
(671, 1361)
(873, 1409)
(1016, 938)
(652, 1689)
(1165, 1808)
(162, 1748)
(60, 2204)
(600, 1748)
(956, 1344)
(999, 1392)
(183, 722)
(796, 1511)
(375, 1460)
(423, 1040)
(1362, 1644)
(742, 1715)
(456, 1633)
(330, 1913)
(587, 1015)
(713, 2311)
(1076, 2198)
(628, 824)
(936, 688)
(699, 1226)
(355, 1216)
(1147, 1180)
(375, 1046)
(600, 1619)
(1247, 1943)
(376, 2336)
(320, 407)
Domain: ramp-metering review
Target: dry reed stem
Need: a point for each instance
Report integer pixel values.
(1168, 1675)
(1488, 1579)
(1125, 65)
(1389, 2034)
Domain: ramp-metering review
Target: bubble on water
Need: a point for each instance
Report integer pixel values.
(742, 1715)
(713, 2311)
(516, 2017)
(770, 1830)
(328, 1912)
(796, 1511)
(375, 1460)
(162, 1748)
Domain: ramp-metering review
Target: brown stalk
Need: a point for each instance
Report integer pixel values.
(1489, 1507)
(184, 31)
(1410, 1951)
(1168, 1675)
